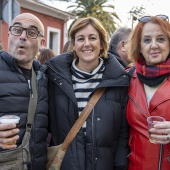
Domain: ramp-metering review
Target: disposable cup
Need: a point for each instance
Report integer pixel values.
(152, 120)
(10, 119)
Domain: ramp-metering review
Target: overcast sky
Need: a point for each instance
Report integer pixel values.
(153, 7)
(122, 8)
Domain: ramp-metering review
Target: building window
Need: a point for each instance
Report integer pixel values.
(53, 39)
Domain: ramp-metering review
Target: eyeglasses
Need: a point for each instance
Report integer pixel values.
(31, 32)
(148, 18)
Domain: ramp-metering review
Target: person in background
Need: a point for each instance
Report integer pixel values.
(66, 46)
(44, 55)
(118, 45)
(1, 46)
(149, 93)
(25, 38)
(102, 142)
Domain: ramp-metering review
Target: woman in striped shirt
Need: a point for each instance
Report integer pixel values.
(102, 142)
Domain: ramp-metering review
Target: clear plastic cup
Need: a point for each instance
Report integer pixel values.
(152, 120)
(10, 119)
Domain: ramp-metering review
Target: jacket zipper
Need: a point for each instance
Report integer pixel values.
(160, 157)
(138, 106)
(30, 88)
(161, 146)
(93, 147)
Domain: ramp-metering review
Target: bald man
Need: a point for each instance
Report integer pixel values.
(25, 38)
(24, 47)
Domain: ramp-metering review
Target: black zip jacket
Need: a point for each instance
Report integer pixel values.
(113, 52)
(14, 99)
(105, 146)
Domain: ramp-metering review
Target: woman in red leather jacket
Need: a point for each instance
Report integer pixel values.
(149, 94)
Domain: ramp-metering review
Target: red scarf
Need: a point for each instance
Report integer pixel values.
(153, 71)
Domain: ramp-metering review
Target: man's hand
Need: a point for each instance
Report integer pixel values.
(8, 133)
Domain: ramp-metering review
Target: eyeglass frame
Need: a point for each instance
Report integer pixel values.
(26, 29)
(161, 16)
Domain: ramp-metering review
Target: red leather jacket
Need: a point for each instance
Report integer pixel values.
(145, 155)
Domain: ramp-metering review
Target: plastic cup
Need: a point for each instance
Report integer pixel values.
(10, 119)
(152, 120)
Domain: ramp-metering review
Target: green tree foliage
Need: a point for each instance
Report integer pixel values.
(98, 9)
(95, 8)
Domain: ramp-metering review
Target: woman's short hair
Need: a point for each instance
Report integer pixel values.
(82, 23)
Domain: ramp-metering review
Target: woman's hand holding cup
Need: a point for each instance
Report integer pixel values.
(159, 130)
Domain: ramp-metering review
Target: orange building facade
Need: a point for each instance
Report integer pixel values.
(54, 21)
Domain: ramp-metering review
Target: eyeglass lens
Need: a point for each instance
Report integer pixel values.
(164, 17)
(31, 33)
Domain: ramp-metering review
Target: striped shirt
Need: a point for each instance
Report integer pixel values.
(84, 83)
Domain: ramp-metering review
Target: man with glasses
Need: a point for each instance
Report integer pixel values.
(24, 41)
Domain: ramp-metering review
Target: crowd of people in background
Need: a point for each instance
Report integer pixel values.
(134, 69)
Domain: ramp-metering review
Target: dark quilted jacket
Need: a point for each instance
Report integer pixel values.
(14, 99)
(105, 146)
